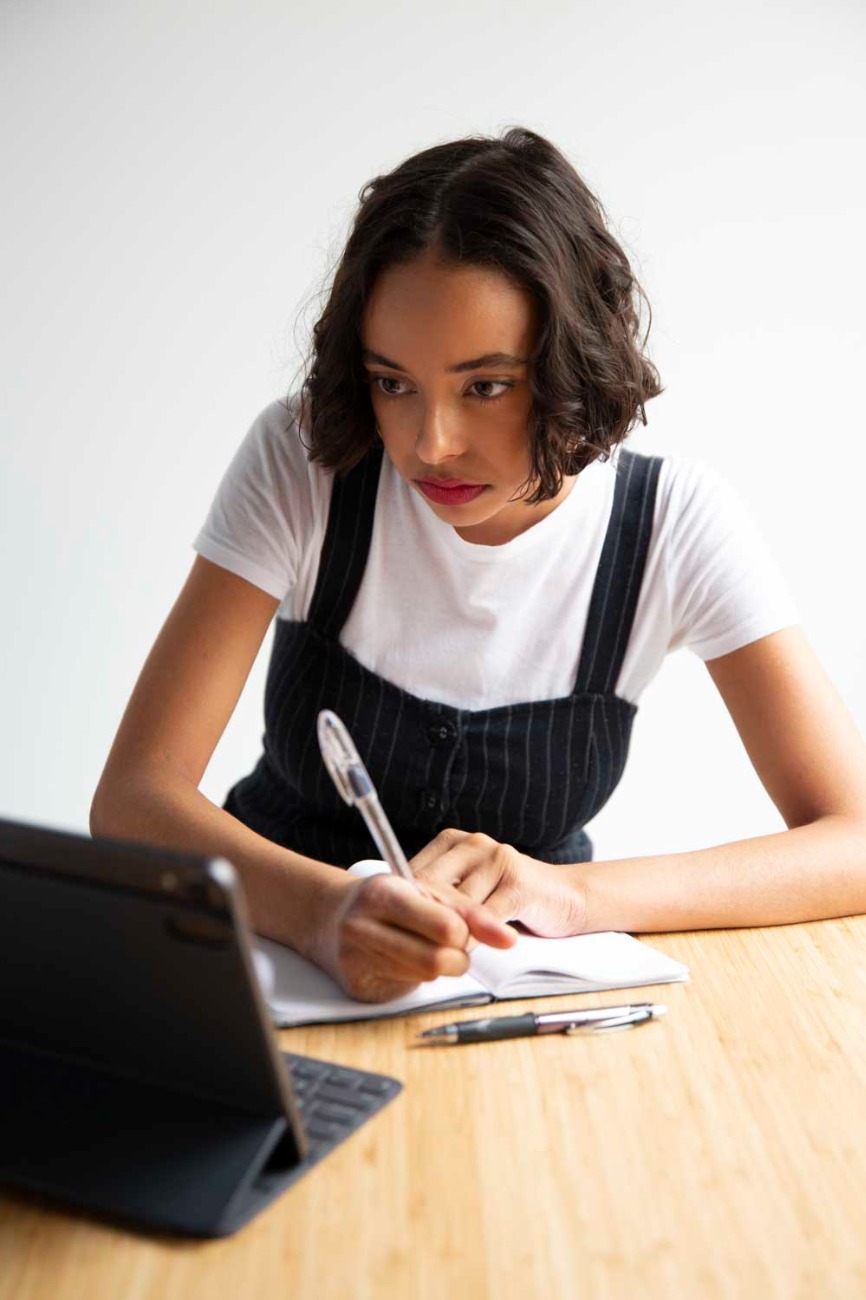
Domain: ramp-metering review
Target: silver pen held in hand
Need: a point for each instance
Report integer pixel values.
(352, 780)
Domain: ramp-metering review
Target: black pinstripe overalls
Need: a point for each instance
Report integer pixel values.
(529, 774)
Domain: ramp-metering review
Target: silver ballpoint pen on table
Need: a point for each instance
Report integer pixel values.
(555, 1022)
(352, 780)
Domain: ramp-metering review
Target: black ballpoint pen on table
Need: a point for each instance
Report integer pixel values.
(531, 1025)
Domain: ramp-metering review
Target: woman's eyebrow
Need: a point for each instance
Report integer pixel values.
(477, 363)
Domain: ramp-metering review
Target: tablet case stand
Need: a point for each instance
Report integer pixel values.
(140, 1078)
(144, 1156)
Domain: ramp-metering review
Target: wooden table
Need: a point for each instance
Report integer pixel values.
(718, 1152)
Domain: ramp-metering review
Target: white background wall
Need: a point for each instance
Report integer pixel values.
(178, 180)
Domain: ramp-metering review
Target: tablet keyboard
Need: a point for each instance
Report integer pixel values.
(334, 1100)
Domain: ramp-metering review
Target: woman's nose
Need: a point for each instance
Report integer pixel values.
(439, 438)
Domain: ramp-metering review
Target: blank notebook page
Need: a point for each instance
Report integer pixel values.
(537, 967)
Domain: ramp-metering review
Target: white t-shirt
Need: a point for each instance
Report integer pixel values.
(476, 626)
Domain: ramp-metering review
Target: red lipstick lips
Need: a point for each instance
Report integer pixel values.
(450, 491)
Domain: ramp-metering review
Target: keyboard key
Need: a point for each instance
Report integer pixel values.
(338, 1114)
(340, 1077)
(320, 1131)
(376, 1086)
(327, 1092)
(304, 1069)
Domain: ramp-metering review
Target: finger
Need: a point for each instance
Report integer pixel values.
(412, 908)
(404, 956)
(481, 920)
(441, 844)
(456, 860)
(487, 928)
(476, 881)
(438, 913)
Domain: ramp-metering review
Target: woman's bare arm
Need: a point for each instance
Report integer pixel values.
(183, 699)
(808, 754)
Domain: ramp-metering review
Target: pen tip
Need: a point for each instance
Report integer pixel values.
(441, 1034)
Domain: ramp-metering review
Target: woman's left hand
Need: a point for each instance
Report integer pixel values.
(546, 898)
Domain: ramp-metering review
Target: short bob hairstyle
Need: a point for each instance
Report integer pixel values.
(516, 205)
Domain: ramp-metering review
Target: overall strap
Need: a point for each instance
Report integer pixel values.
(346, 544)
(620, 573)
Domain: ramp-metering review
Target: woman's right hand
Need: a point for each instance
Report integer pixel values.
(381, 937)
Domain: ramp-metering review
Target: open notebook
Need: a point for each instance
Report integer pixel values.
(299, 993)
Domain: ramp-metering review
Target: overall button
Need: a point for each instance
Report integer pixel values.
(440, 733)
(429, 800)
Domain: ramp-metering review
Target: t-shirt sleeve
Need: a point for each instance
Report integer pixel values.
(255, 521)
(725, 585)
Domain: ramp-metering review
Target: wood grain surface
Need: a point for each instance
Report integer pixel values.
(720, 1151)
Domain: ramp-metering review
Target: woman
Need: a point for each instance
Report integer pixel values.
(475, 575)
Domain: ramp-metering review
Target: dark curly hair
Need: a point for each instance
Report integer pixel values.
(516, 205)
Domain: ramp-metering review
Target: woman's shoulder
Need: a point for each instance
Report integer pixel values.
(682, 473)
(723, 580)
(702, 524)
(279, 428)
(270, 508)
(692, 493)
(275, 457)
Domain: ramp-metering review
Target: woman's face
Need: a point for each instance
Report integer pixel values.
(456, 432)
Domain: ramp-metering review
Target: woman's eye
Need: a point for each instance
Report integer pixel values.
(492, 383)
(386, 379)
(479, 383)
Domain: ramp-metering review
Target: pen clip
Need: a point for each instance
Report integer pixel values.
(615, 1022)
(342, 759)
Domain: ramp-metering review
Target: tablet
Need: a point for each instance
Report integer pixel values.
(140, 1076)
